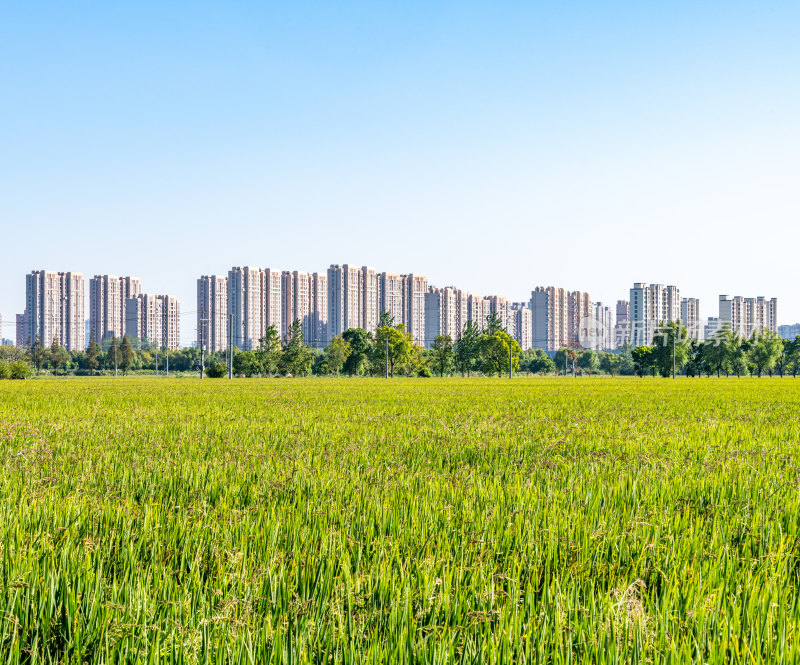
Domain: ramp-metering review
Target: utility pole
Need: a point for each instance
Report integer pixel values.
(167, 360)
(156, 359)
(230, 346)
(510, 356)
(115, 356)
(673, 354)
(202, 342)
(386, 366)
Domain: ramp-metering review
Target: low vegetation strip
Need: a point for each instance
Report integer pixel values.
(441, 521)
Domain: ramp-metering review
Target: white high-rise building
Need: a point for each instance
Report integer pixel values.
(557, 316)
(154, 319)
(345, 309)
(520, 324)
(442, 314)
(651, 306)
(107, 297)
(690, 318)
(391, 296)
(319, 307)
(370, 298)
(212, 312)
(622, 327)
(54, 309)
(247, 305)
(298, 302)
(415, 287)
(499, 306)
(604, 327)
(478, 309)
(746, 316)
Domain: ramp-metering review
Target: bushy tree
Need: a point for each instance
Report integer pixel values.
(296, 358)
(336, 354)
(394, 341)
(643, 360)
(360, 342)
(588, 361)
(663, 349)
(467, 349)
(126, 355)
(495, 351)
(216, 370)
(268, 355)
(442, 353)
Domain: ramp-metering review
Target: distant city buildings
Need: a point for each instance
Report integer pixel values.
(746, 316)
(212, 312)
(237, 308)
(690, 318)
(108, 296)
(55, 303)
(651, 305)
(154, 320)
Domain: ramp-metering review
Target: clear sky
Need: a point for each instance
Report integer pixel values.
(496, 146)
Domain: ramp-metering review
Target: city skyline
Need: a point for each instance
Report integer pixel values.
(493, 148)
(247, 300)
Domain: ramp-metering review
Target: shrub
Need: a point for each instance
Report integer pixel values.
(19, 370)
(5, 371)
(216, 370)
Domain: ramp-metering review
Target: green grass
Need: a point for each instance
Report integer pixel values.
(438, 521)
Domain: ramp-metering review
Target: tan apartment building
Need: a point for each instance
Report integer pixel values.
(212, 312)
(154, 320)
(108, 295)
(55, 304)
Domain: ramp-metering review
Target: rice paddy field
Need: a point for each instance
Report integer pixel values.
(407, 521)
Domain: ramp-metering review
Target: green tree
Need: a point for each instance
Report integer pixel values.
(360, 342)
(443, 353)
(216, 370)
(792, 350)
(541, 363)
(495, 351)
(396, 341)
(269, 351)
(38, 353)
(93, 356)
(19, 369)
(336, 354)
(565, 359)
(296, 358)
(494, 324)
(588, 361)
(670, 338)
(57, 357)
(609, 362)
(126, 355)
(467, 348)
(765, 350)
(643, 360)
(247, 363)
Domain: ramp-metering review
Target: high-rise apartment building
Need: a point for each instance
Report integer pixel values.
(580, 311)
(558, 316)
(746, 316)
(478, 309)
(650, 306)
(390, 295)
(415, 287)
(520, 324)
(319, 307)
(690, 318)
(20, 331)
(298, 303)
(549, 306)
(602, 335)
(108, 295)
(344, 299)
(54, 309)
(789, 332)
(500, 307)
(247, 305)
(370, 298)
(622, 327)
(212, 312)
(442, 314)
(154, 320)
(712, 328)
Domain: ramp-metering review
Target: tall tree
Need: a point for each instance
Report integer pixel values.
(269, 351)
(588, 361)
(112, 355)
(494, 324)
(765, 350)
(495, 350)
(393, 341)
(443, 353)
(643, 360)
(93, 356)
(671, 339)
(467, 348)
(360, 342)
(57, 356)
(38, 353)
(336, 354)
(296, 358)
(126, 355)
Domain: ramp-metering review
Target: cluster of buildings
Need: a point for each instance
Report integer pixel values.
(236, 308)
(56, 309)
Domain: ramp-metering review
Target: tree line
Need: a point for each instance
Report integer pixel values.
(391, 351)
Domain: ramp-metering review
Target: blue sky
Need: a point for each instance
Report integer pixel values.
(496, 146)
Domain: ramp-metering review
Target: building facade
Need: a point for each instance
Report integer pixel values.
(415, 288)
(748, 316)
(690, 318)
(55, 305)
(212, 312)
(108, 295)
(650, 306)
(154, 320)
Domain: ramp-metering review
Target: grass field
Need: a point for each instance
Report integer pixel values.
(538, 521)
